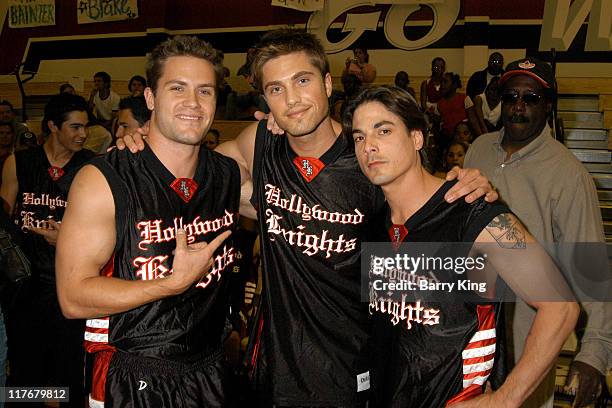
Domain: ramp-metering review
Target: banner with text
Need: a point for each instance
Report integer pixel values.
(31, 13)
(96, 11)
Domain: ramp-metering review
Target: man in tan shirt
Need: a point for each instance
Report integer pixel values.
(555, 198)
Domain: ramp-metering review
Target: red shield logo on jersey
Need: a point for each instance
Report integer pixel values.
(309, 167)
(185, 188)
(397, 233)
(56, 172)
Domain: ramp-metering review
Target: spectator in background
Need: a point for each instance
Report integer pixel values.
(431, 88)
(463, 133)
(351, 84)
(360, 66)
(28, 177)
(7, 114)
(103, 102)
(479, 80)
(211, 140)
(453, 107)
(243, 106)
(225, 88)
(245, 69)
(402, 80)
(133, 114)
(453, 156)
(67, 88)
(235, 102)
(98, 138)
(223, 93)
(137, 85)
(456, 154)
(487, 107)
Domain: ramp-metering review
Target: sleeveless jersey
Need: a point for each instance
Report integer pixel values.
(313, 214)
(150, 205)
(448, 353)
(42, 195)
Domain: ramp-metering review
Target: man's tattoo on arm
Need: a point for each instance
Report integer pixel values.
(507, 232)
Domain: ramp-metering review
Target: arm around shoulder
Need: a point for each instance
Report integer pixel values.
(241, 149)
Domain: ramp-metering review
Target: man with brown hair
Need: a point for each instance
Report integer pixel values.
(153, 290)
(313, 205)
(442, 349)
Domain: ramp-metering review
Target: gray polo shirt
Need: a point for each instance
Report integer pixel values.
(555, 197)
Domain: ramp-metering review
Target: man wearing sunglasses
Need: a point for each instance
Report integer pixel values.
(555, 197)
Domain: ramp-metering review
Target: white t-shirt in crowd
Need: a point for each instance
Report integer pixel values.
(103, 108)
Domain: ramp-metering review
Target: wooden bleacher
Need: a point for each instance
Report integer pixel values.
(600, 87)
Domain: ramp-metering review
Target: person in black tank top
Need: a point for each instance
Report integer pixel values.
(309, 346)
(441, 352)
(45, 348)
(154, 292)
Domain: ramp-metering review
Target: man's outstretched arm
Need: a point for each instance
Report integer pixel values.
(86, 243)
(528, 269)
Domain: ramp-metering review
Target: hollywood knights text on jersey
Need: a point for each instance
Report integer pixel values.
(156, 266)
(320, 242)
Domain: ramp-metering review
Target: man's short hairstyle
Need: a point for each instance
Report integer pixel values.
(182, 46)
(4, 102)
(436, 59)
(59, 106)
(365, 52)
(138, 78)
(65, 86)
(396, 100)
(401, 76)
(104, 75)
(287, 41)
(138, 106)
(498, 55)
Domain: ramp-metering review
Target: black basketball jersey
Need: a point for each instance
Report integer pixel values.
(42, 195)
(313, 214)
(449, 349)
(150, 206)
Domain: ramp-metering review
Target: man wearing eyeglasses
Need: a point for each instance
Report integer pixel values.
(555, 197)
